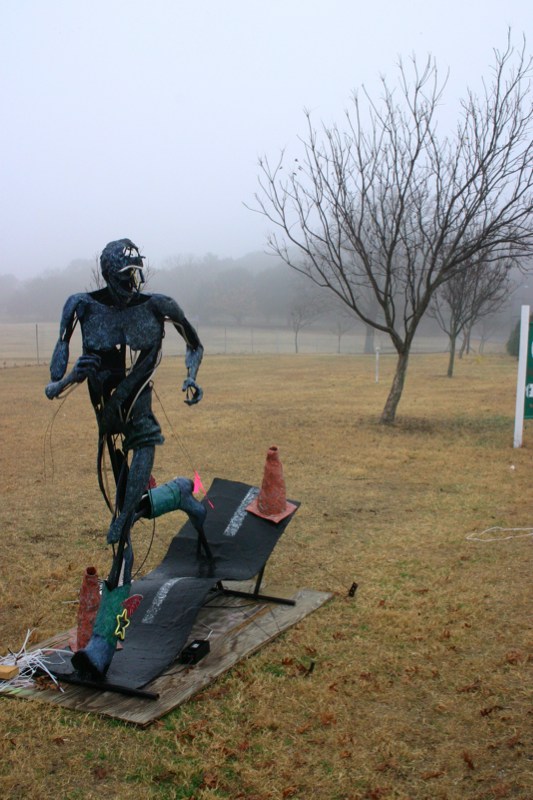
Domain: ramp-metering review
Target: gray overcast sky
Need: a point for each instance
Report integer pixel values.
(145, 118)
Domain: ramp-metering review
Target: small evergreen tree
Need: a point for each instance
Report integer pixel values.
(513, 342)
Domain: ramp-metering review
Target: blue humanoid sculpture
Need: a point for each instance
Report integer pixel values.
(122, 331)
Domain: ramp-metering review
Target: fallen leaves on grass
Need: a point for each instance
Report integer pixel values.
(470, 687)
(431, 774)
(489, 710)
(100, 773)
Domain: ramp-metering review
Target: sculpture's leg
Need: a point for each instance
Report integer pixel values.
(95, 659)
(111, 621)
(138, 476)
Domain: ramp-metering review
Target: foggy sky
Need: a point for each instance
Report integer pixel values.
(146, 118)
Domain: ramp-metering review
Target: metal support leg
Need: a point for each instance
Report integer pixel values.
(203, 544)
(255, 595)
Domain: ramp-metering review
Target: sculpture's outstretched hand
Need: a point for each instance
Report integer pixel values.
(85, 366)
(193, 393)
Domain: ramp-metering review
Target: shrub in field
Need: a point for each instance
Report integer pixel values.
(513, 342)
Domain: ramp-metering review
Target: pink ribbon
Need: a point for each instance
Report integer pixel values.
(199, 487)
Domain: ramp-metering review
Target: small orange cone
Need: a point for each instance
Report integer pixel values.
(87, 609)
(272, 501)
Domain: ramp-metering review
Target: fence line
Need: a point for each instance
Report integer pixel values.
(33, 343)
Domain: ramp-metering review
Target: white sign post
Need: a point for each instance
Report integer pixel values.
(521, 378)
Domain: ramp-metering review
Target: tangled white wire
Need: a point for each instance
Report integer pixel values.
(28, 665)
(472, 537)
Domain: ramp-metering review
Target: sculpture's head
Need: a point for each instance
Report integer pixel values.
(121, 266)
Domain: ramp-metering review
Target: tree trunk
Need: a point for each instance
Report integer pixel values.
(388, 415)
(465, 347)
(295, 341)
(451, 360)
(468, 340)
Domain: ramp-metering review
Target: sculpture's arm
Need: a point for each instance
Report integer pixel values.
(58, 365)
(194, 351)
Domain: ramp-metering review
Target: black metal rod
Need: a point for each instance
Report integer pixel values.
(256, 597)
(102, 686)
(259, 580)
(202, 542)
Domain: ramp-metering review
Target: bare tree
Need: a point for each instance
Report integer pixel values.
(487, 327)
(388, 206)
(97, 281)
(477, 291)
(341, 325)
(341, 319)
(304, 309)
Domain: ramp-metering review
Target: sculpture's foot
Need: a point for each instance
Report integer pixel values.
(111, 622)
(94, 660)
(195, 510)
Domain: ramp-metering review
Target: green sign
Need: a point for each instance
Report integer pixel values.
(528, 402)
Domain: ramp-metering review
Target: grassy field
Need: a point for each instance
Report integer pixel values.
(421, 682)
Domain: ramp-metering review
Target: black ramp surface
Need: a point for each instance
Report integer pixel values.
(174, 592)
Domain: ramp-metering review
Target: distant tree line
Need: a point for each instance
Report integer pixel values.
(259, 290)
(256, 289)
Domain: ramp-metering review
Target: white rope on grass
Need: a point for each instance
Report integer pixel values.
(28, 664)
(472, 537)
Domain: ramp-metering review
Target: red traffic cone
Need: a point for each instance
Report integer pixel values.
(87, 609)
(272, 501)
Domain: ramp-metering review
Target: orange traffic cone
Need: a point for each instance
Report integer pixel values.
(272, 501)
(87, 609)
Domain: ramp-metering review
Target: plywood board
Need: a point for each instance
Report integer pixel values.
(235, 628)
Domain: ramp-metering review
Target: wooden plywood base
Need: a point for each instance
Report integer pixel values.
(234, 627)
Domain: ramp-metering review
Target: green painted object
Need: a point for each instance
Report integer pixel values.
(164, 498)
(111, 607)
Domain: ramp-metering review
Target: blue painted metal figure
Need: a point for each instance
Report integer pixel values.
(122, 331)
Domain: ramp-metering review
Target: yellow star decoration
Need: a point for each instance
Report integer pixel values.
(122, 623)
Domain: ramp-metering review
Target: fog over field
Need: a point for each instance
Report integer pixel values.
(146, 120)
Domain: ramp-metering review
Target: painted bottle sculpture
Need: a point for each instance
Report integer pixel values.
(89, 602)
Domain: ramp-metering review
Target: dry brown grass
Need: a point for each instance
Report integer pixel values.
(420, 686)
